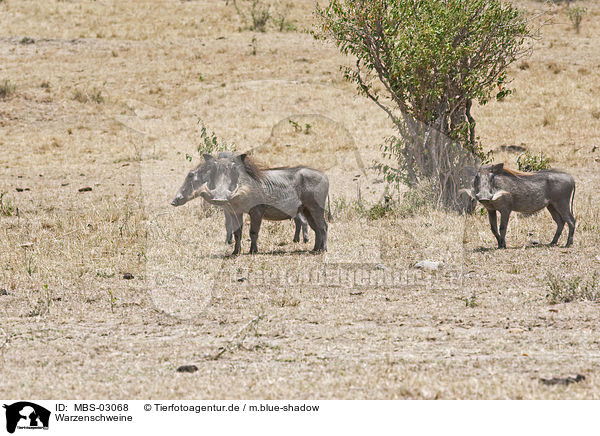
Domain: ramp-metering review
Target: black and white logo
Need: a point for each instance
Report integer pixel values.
(26, 415)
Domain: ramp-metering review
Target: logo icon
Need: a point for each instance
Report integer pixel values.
(26, 415)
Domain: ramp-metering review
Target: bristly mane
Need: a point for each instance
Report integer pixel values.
(286, 168)
(516, 173)
(253, 169)
(197, 167)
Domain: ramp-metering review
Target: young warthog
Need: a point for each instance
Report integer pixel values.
(197, 177)
(236, 184)
(504, 190)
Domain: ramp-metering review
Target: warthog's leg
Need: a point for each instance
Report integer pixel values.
(565, 212)
(304, 228)
(560, 223)
(316, 219)
(237, 221)
(494, 225)
(571, 224)
(298, 228)
(256, 216)
(301, 225)
(313, 225)
(228, 227)
(504, 216)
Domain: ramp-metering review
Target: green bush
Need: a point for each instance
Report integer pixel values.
(528, 162)
(576, 14)
(210, 143)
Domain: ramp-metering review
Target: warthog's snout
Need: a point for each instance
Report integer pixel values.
(217, 196)
(177, 201)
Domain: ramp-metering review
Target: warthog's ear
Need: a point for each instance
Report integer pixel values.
(208, 157)
(242, 157)
(497, 168)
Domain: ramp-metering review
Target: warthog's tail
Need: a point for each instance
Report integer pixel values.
(572, 199)
(329, 216)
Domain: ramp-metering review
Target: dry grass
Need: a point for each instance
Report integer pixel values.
(374, 327)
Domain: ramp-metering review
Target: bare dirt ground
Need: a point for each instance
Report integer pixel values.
(107, 95)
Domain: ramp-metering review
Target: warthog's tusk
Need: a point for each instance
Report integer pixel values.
(469, 192)
(240, 191)
(498, 195)
(201, 190)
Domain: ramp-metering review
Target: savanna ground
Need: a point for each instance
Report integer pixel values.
(108, 95)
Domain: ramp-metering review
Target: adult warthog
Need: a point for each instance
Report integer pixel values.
(504, 190)
(197, 177)
(239, 186)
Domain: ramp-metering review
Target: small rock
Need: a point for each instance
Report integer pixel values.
(516, 330)
(511, 149)
(128, 276)
(27, 245)
(27, 40)
(428, 264)
(380, 266)
(535, 242)
(85, 189)
(22, 189)
(242, 279)
(553, 310)
(562, 380)
(187, 368)
(3, 292)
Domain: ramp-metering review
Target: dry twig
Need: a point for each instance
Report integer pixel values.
(239, 336)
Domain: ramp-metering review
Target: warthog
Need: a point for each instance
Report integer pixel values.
(239, 186)
(199, 176)
(504, 190)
